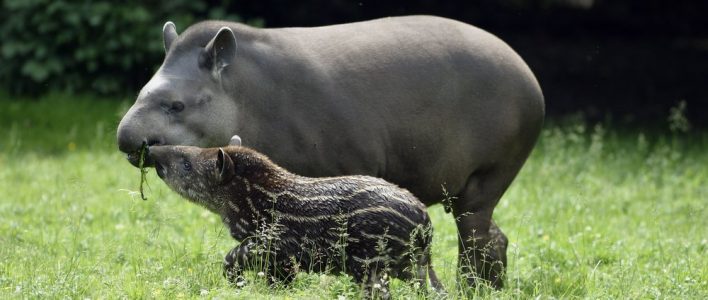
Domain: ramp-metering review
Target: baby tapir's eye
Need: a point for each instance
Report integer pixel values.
(186, 165)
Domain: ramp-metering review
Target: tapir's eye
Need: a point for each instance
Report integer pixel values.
(174, 107)
(203, 99)
(186, 165)
(177, 106)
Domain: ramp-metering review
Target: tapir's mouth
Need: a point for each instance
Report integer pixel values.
(134, 159)
(134, 155)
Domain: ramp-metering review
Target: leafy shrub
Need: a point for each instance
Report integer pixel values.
(96, 46)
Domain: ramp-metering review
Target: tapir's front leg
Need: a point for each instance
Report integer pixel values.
(236, 261)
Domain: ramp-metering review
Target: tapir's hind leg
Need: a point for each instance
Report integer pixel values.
(435, 282)
(482, 245)
(424, 271)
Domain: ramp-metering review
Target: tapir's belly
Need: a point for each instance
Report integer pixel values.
(422, 152)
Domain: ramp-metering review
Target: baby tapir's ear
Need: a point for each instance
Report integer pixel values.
(225, 166)
(235, 141)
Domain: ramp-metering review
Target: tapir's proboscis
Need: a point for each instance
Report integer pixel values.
(421, 101)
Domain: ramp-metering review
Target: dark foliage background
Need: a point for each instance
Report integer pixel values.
(101, 47)
(628, 60)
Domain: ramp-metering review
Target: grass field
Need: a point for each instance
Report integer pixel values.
(597, 212)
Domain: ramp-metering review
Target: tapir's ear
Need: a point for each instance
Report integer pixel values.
(219, 52)
(169, 34)
(225, 166)
(235, 141)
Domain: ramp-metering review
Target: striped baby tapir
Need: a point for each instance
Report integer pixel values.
(286, 223)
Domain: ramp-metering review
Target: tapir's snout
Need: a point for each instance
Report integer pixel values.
(156, 156)
(131, 139)
(128, 141)
(161, 157)
(133, 153)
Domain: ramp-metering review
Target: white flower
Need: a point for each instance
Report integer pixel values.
(203, 292)
(261, 274)
(240, 283)
(377, 286)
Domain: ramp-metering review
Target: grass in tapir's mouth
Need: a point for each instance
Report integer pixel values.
(143, 170)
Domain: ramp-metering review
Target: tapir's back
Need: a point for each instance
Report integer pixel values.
(418, 100)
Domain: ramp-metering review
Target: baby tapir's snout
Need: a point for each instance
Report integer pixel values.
(171, 162)
(160, 157)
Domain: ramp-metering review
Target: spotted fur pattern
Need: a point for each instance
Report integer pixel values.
(360, 225)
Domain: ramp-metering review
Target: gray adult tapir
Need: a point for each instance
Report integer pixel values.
(421, 101)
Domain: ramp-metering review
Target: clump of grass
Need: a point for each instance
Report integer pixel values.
(143, 170)
(624, 220)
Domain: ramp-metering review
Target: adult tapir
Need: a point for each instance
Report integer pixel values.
(421, 101)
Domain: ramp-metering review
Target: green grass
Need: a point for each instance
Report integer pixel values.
(596, 212)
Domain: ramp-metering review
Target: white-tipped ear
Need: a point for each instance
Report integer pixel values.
(169, 34)
(220, 51)
(235, 141)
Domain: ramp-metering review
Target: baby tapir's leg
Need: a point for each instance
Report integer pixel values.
(423, 268)
(281, 270)
(240, 259)
(435, 282)
(235, 262)
(376, 286)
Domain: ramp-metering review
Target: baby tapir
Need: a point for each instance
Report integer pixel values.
(360, 225)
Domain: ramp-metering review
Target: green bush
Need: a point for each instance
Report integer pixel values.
(90, 46)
